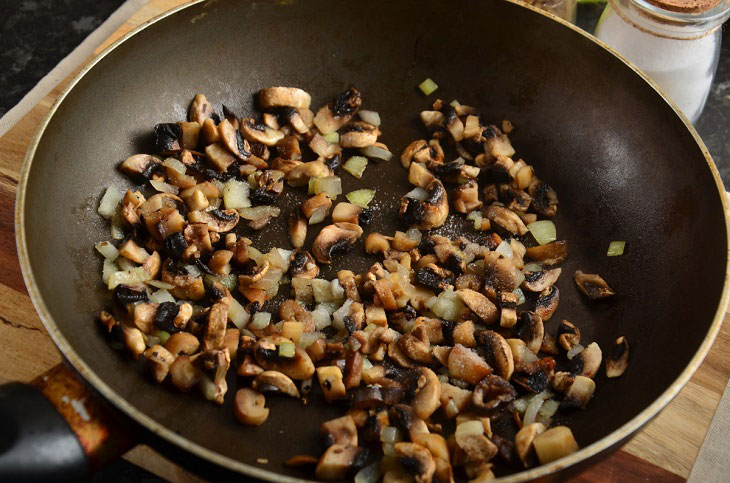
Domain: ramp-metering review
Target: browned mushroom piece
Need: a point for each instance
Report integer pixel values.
(271, 97)
(416, 460)
(297, 229)
(505, 218)
(544, 198)
(249, 407)
(419, 175)
(593, 286)
(330, 379)
(529, 328)
(200, 109)
(415, 348)
(358, 134)
(338, 461)
(219, 157)
(579, 392)
(492, 391)
(260, 133)
(232, 140)
(524, 439)
(275, 381)
(429, 213)
(339, 431)
(497, 353)
(302, 264)
(300, 174)
(568, 335)
(618, 359)
(424, 152)
(500, 273)
(159, 360)
(215, 329)
(479, 304)
(547, 302)
(432, 119)
(337, 113)
(467, 365)
(541, 280)
(333, 239)
(346, 212)
(514, 199)
(466, 197)
(141, 165)
(550, 254)
(266, 352)
(587, 361)
(427, 394)
(219, 221)
(316, 208)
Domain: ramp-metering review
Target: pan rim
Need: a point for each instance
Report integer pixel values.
(158, 429)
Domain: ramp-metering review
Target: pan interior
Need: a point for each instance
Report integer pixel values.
(623, 164)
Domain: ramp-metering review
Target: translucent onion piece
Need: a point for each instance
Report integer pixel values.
(258, 212)
(277, 260)
(175, 165)
(366, 364)
(134, 276)
(108, 250)
(161, 296)
(117, 227)
(109, 202)
(338, 317)
(505, 249)
(369, 474)
(532, 408)
(107, 270)
(260, 320)
(390, 434)
(332, 138)
(543, 231)
(332, 185)
(321, 317)
(574, 351)
(415, 235)
(520, 296)
(160, 284)
(428, 86)
(322, 290)
(338, 292)
(237, 314)
(532, 267)
(308, 338)
(520, 405)
(287, 349)
(616, 248)
(370, 117)
(236, 195)
(255, 255)
(417, 193)
(163, 187)
(318, 215)
(547, 411)
(376, 152)
(361, 198)
(356, 166)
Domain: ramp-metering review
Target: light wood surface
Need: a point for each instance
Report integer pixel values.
(665, 450)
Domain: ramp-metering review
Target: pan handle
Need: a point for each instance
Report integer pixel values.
(56, 429)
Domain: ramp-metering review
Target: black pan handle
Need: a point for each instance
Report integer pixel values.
(56, 429)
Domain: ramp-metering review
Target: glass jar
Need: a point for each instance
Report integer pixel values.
(564, 9)
(675, 42)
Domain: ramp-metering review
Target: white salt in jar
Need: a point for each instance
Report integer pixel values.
(675, 42)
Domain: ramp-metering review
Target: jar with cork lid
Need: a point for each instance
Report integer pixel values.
(674, 42)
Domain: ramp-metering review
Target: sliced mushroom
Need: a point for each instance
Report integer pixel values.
(249, 407)
(593, 286)
(587, 361)
(183, 374)
(231, 139)
(297, 229)
(454, 400)
(260, 133)
(463, 334)
(338, 461)
(133, 340)
(330, 378)
(275, 381)
(492, 391)
(561, 381)
(541, 280)
(316, 208)
(579, 392)
(333, 239)
(467, 365)
(476, 447)
(200, 109)
(547, 302)
(429, 213)
(501, 273)
(337, 113)
(497, 352)
(479, 304)
(405, 417)
(341, 431)
(524, 439)
(415, 349)
(358, 134)
(568, 335)
(168, 138)
(141, 166)
(300, 367)
(544, 198)
(271, 97)
(428, 393)
(618, 359)
(219, 221)
(219, 157)
(550, 254)
(505, 218)
(524, 358)
(507, 303)
(182, 343)
(417, 460)
(466, 197)
(302, 264)
(530, 329)
(432, 119)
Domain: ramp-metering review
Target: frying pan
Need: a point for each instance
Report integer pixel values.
(624, 163)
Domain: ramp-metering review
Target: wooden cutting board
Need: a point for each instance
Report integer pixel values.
(664, 451)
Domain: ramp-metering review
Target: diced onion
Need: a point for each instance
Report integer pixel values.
(237, 314)
(160, 284)
(228, 281)
(616, 248)
(255, 255)
(520, 296)
(543, 231)
(332, 185)
(428, 86)
(284, 254)
(366, 364)
(520, 405)
(448, 306)
(505, 249)
(454, 103)
(117, 227)
(110, 200)
(322, 290)
(161, 296)
(361, 198)
(318, 215)
(236, 195)
(321, 318)
(277, 260)
(376, 152)
(163, 187)
(369, 473)
(331, 137)
(390, 434)
(356, 166)
(338, 317)
(107, 270)
(388, 450)
(260, 320)
(370, 117)
(125, 263)
(162, 336)
(338, 292)
(532, 408)
(270, 280)
(218, 184)
(574, 351)
(532, 267)
(134, 276)
(109, 251)
(175, 165)
(193, 271)
(310, 188)
(308, 338)
(469, 428)
(476, 217)
(287, 349)
(417, 193)
(415, 235)
(519, 277)
(151, 340)
(302, 289)
(547, 411)
(258, 212)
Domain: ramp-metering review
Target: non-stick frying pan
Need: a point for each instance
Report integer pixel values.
(626, 166)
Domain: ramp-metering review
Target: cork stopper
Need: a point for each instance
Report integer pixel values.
(686, 6)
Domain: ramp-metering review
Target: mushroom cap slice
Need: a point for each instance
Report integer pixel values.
(530, 328)
(428, 394)
(547, 302)
(283, 97)
(219, 221)
(479, 304)
(506, 218)
(337, 113)
(417, 460)
(542, 280)
(249, 407)
(593, 286)
(340, 431)
(618, 359)
(429, 213)
(579, 392)
(525, 437)
(260, 133)
(492, 391)
(200, 109)
(275, 381)
(568, 335)
(338, 461)
(587, 361)
(140, 165)
(497, 353)
(358, 134)
(550, 254)
(333, 239)
(467, 365)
